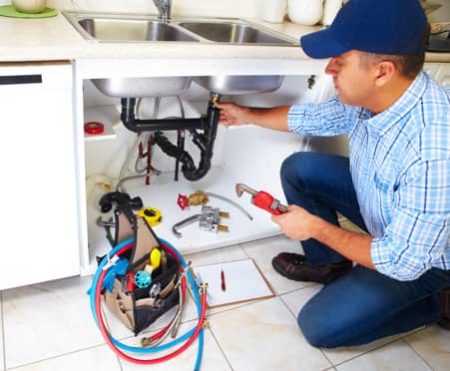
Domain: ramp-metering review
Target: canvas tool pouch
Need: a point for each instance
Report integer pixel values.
(137, 308)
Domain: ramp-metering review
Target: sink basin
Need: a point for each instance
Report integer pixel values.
(237, 85)
(111, 29)
(143, 86)
(116, 28)
(233, 33)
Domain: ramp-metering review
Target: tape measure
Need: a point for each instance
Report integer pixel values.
(151, 215)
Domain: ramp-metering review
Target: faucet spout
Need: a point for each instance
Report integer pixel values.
(164, 9)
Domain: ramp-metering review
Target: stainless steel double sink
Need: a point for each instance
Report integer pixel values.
(104, 27)
(113, 28)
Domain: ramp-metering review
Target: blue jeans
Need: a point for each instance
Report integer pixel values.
(362, 305)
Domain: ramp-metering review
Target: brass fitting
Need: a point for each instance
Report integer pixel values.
(146, 342)
(214, 98)
(198, 198)
(222, 228)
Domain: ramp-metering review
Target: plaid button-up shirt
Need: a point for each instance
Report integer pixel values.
(400, 166)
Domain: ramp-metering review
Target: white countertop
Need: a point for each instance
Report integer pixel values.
(54, 38)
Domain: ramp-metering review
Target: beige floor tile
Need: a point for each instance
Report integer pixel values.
(339, 355)
(47, 320)
(297, 299)
(263, 251)
(397, 356)
(433, 345)
(95, 359)
(213, 358)
(265, 336)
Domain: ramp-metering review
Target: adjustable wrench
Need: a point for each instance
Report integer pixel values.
(262, 199)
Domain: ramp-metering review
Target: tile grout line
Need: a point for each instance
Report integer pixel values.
(295, 317)
(108, 325)
(220, 347)
(280, 297)
(328, 359)
(212, 334)
(285, 304)
(415, 351)
(55, 357)
(357, 356)
(50, 358)
(120, 363)
(368, 351)
(245, 252)
(297, 289)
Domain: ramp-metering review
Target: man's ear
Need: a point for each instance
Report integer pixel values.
(386, 70)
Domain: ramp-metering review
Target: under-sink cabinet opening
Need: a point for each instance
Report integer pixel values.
(133, 157)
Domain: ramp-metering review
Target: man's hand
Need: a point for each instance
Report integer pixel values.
(296, 223)
(232, 114)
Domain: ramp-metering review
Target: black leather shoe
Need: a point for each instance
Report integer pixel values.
(444, 307)
(295, 267)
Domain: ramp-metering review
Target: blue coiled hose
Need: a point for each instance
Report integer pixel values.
(175, 342)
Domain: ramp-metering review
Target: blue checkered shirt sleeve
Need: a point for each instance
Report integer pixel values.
(323, 119)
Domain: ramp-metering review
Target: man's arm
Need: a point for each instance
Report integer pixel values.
(353, 245)
(301, 225)
(271, 118)
(310, 119)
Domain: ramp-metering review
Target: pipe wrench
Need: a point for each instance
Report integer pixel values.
(262, 199)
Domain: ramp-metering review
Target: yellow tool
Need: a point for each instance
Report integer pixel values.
(151, 215)
(155, 258)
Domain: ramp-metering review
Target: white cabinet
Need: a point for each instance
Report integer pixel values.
(39, 219)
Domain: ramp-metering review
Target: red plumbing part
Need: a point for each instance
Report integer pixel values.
(94, 128)
(182, 201)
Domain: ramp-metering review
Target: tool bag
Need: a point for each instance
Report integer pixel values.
(136, 306)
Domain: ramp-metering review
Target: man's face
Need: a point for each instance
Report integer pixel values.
(352, 79)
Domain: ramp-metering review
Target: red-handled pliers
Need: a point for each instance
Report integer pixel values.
(262, 199)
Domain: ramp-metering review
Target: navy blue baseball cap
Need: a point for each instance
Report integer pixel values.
(376, 26)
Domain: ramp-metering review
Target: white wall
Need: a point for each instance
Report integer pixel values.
(442, 14)
(219, 8)
(223, 8)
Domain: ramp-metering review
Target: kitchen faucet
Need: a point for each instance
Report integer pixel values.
(164, 8)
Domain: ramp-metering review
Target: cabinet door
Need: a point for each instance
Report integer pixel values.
(38, 184)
